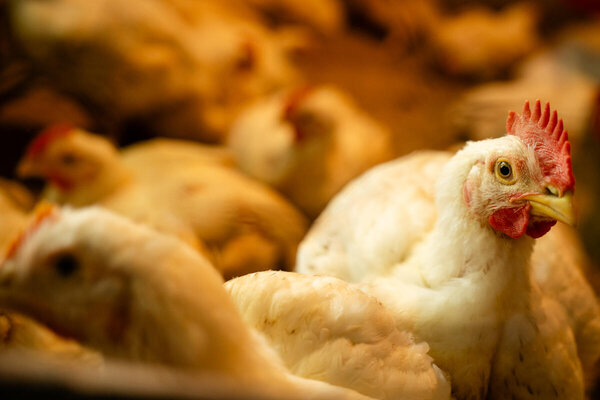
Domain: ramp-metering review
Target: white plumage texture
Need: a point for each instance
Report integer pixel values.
(325, 329)
(356, 234)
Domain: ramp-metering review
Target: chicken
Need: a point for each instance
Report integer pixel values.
(160, 153)
(154, 300)
(308, 143)
(19, 196)
(243, 225)
(324, 16)
(18, 331)
(402, 22)
(560, 266)
(181, 67)
(481, 43)
(566, 74)
(447, 242)
(323, 328)
(365, 244)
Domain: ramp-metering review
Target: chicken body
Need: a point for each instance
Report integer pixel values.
(308, 143)
(243, 225)
(153, 298)
(324, 16)
(159, 153)
(482, 43)
(566, 74)
(172, 63)
(406, 231)
(325, 329)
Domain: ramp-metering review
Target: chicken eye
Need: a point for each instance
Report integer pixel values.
(504, 171)
(68, 159)
(65, 265)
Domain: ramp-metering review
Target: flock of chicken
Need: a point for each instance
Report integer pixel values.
(417, 281)
(297, 256)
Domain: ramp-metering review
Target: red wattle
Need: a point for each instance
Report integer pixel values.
(538, 229)
(60, 182)
(511, 221)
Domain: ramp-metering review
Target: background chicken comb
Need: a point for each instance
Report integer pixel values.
(542, 130)
(291, 104)
(42, 212)
(45, 137)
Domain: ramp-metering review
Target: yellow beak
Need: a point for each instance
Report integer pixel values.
(555, 207)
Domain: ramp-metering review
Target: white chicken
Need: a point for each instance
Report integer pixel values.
(184, 67)
(308, 143)
(447, 241)
(18, 331)
(243, 225)
(153, 299)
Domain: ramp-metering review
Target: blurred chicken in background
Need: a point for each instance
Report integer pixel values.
(326, 17)
(567, 73)
(244, 225)
(402, 23)
(481, 43)
(183, 66)
(308, 143)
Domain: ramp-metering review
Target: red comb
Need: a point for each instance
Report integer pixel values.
(41, 213)
(47, 136)
(542, 130)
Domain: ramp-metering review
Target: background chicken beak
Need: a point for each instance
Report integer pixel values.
(27, 168)
(548, 205)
